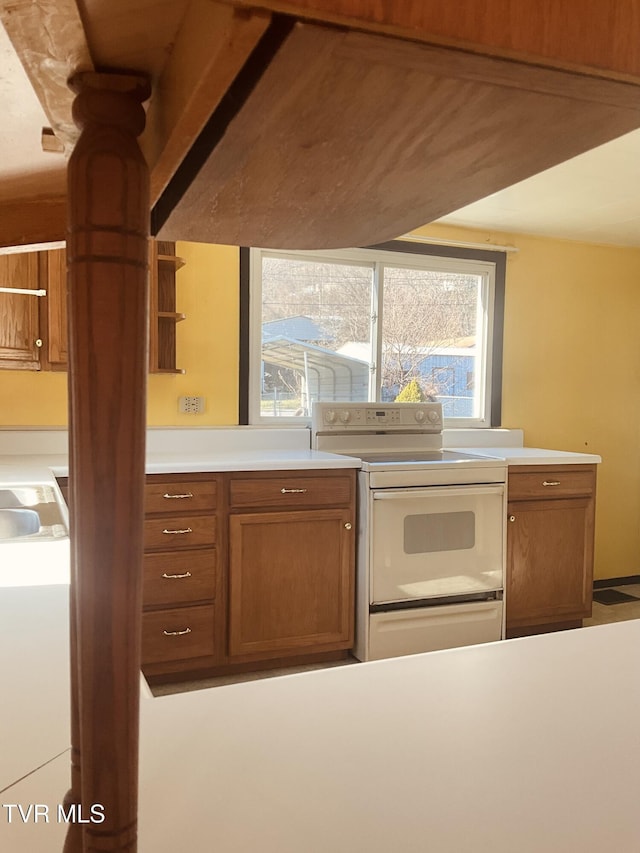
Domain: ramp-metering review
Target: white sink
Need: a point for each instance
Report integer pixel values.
(15, 523)
(28, 512)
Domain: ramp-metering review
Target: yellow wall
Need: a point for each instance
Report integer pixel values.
(207, 347)
(207, 341)
(571, 374)
(571, 364)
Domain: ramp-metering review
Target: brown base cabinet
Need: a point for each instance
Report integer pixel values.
(181, 578)
(247, 570)
(289, 581)
(550, 531)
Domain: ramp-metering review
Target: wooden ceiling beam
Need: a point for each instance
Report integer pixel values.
(50, 41)
(211, 46)
(350, 138)
(593, 36)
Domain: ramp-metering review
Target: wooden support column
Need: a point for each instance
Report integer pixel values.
(108, 209)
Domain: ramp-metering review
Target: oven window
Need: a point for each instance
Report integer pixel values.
(439, 531)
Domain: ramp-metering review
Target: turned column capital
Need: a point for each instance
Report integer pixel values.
(110, 99)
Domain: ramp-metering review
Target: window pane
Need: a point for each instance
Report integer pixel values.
(363, 324)
(430, 338)
(316, 334)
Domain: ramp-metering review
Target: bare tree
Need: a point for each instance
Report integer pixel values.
(423, 311)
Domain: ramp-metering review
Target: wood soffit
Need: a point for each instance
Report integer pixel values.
(194, 50)
(597, 37)
(346, 138)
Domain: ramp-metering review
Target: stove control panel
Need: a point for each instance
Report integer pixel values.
(376, 417)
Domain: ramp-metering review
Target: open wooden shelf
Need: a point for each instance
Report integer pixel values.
(174, 260)
(163, 316)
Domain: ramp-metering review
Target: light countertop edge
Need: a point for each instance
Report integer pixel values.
(532, 455)
(17, 469)
(248, 460)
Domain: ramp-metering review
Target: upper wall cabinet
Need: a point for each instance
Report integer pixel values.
(20, 340)
(33, 310)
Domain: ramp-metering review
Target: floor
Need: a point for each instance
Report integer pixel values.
(601, 615)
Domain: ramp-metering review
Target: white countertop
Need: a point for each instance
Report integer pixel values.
(526, 745)
(532, 455)
(38, 468)
(34, 671)
(178, 451)
(247, 460)
(186, 463)
(174, 450)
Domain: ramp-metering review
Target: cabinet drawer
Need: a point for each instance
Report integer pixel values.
(177, 634)
(187, 496)
(290, 492)
(550, 483)
(179, 577)
(182, 531)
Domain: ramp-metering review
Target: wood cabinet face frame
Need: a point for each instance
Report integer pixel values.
(54, 309)
(203, 601)
(181, 630)
(243, 499)
(550, 544)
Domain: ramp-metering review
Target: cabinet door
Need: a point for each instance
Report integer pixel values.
(19, 323)
(56, 309)
(291, 582)
(549, 561)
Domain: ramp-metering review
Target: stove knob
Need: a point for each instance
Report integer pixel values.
(420, 415)
(433, 417)
(330, 416)
(345, 416)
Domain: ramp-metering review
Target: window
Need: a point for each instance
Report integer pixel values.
(405, 320)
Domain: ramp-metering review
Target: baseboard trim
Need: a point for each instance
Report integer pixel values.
(605, 583)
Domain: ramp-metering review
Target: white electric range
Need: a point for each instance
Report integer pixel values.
(431, 529)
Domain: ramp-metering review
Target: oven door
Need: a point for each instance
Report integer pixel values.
(436, 541)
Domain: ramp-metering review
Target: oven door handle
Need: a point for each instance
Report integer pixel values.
(437, 491)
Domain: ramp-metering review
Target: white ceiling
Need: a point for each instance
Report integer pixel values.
(595, 198)
(25, 169)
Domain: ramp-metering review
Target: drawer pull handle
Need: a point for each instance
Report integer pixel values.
(180, 532)
(293, 491)
(177, 497)
(176, 633)
(551, 482)
(176, 577)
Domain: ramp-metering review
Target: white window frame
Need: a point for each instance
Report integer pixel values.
(378, 258)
